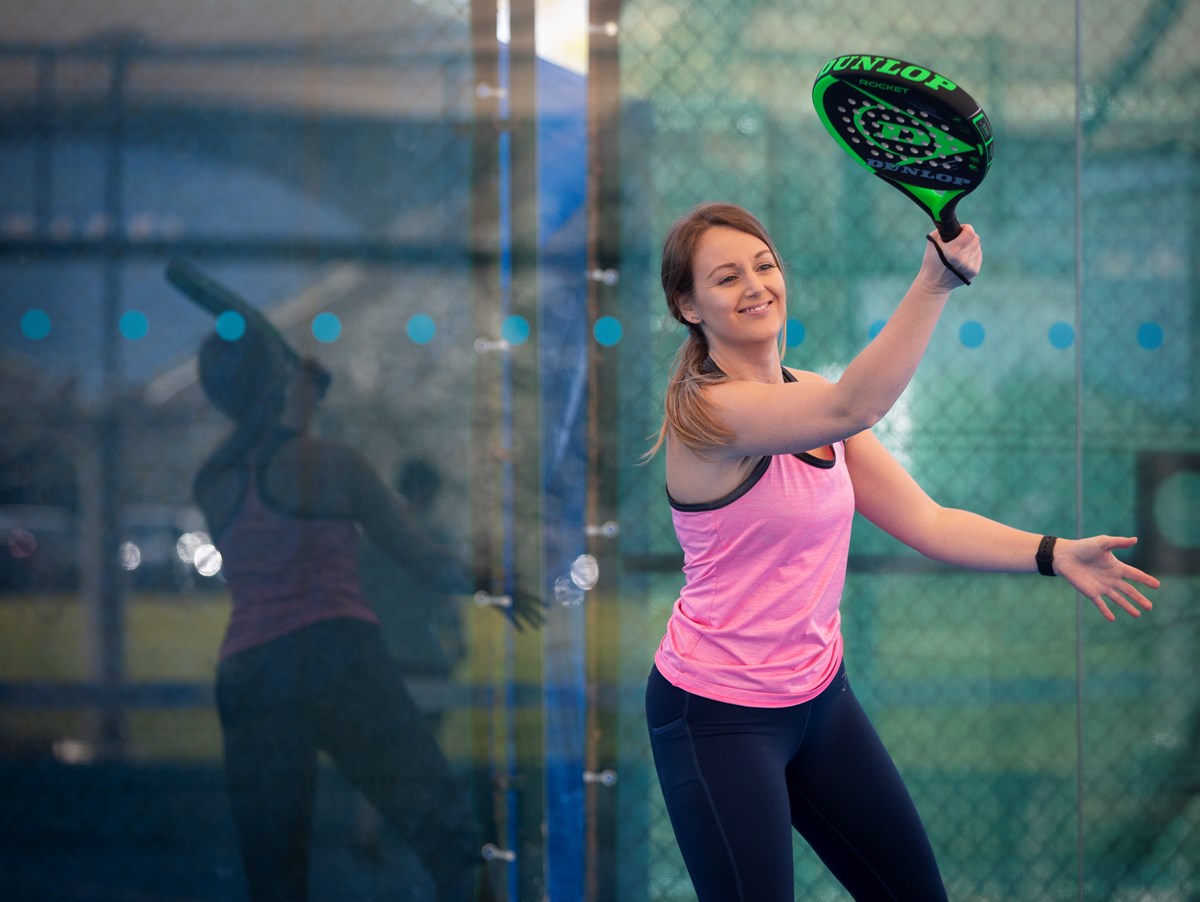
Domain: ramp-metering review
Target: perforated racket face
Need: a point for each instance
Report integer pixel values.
(908, 125)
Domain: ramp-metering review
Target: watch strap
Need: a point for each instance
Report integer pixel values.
(1045, 555)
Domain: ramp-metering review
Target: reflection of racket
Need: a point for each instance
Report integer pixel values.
(214, 297)
(910, 126)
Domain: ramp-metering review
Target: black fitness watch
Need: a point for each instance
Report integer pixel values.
(1045, 555)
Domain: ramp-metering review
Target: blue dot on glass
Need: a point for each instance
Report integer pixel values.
(134, 325)
(515, 330)
(421, 329)
(795, 333)
(971, 334)
(1061, 335)
(1150, 336)
(876, 328)
(231, 325)
(326, 327)
(35, 324)
(607, 331)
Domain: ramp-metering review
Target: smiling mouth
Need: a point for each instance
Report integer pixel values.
(757, 308)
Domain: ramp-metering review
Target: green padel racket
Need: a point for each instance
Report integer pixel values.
(913, 128)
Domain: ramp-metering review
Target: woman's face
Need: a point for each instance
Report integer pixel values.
(739, 296)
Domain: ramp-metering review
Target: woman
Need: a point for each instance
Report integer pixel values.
(752, 721)
(303, 667)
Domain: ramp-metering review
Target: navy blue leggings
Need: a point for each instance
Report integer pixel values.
(737, 779)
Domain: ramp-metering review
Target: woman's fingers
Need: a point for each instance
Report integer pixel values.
(1124, 596)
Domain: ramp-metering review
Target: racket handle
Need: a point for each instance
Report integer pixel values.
(949, 228)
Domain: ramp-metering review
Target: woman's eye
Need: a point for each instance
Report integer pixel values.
(765, 266)
(727, 279)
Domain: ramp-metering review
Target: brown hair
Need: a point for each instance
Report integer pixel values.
(687, 412)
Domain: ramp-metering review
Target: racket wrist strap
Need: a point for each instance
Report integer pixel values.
(946, 263)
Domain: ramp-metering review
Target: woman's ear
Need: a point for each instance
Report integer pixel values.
(686, 310)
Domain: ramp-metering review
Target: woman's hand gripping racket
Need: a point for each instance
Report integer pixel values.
(910, 126)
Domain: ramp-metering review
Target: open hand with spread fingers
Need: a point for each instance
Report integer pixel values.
(1096, 573)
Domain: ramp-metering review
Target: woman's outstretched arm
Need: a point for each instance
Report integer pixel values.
(890, 498)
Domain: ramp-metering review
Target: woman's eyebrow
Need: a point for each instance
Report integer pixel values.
(765, 252)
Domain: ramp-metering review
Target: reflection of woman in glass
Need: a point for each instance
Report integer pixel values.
(303, 667)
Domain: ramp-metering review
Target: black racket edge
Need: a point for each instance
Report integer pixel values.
(944, 102)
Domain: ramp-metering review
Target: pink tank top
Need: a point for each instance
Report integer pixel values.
(757, 622)
(285, 573)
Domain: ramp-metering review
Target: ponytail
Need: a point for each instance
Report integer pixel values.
(688, 413)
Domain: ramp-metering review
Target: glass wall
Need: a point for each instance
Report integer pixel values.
(258, 478)
(331, 343)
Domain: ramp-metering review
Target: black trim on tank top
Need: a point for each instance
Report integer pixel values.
(746, 485)
(750, 482)
(760, 468)
(821, 463)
